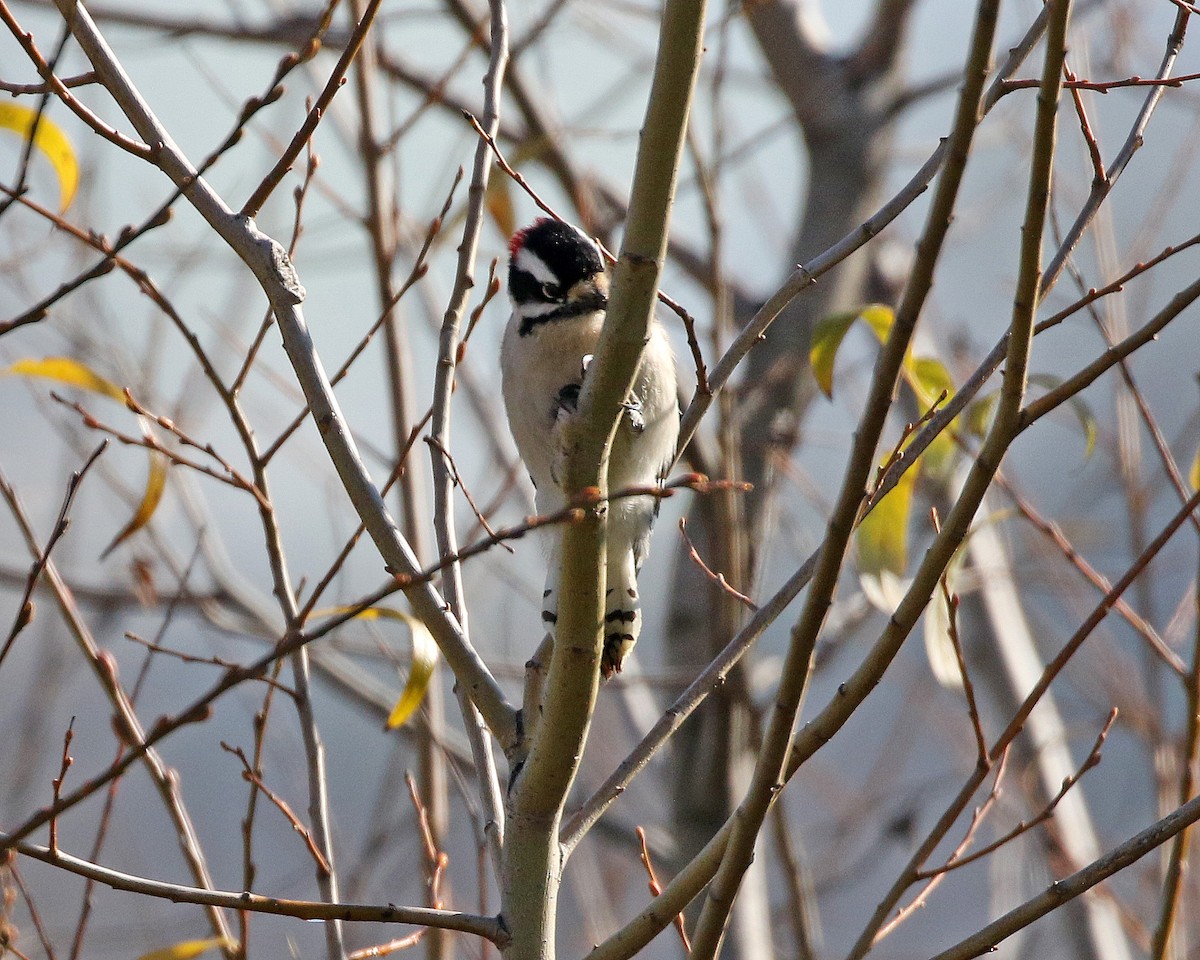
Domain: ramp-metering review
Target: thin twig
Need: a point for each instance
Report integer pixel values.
(251, 776)
(26, 609)
(656, 888)
(489, 928)
(336, 78)
(717, 578)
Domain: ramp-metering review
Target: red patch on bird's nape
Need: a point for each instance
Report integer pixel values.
(517, 240)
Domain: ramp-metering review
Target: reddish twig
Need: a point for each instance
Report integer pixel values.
(335, 82)
(951, 601)
(717, 578)
(57, 782)
(1092, 759)
(437, 861)
(1104, 86)
(977, 817)
(656, 888)
(1085, 126)
(249, 775)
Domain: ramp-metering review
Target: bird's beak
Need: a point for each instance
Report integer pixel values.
(591, 292)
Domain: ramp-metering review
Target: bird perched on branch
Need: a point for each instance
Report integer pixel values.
(559, 293)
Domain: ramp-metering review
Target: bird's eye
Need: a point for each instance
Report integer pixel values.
(551, 291)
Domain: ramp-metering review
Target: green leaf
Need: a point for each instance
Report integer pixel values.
(930, 379)
(830, 332)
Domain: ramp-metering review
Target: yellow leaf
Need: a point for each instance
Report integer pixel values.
(879, 318)
(50, 140)
(1194, 473)
(187, 949)
(929, 378)
(156, 483)
(76, 374)
(424, 658)
(882, 537)
(66, 370)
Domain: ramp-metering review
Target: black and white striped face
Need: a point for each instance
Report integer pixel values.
(554, 272)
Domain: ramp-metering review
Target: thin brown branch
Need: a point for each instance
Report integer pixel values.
(336, 79)
(978, 816)
(251, 777)
(489, 928)
(46, 72)
(656, 888)
(57, 783)
(31, 89)
(1091, 760)
(26, 609)
(1063, 891)
(456, 480)
(1102, 86)
(717, 578)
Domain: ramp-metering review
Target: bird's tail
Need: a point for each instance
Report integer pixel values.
(622, 612)
(622, 609)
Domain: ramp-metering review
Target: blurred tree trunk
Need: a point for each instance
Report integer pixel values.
(842, 105)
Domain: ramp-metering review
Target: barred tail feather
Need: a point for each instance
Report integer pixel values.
(622, 609)
(622, 613)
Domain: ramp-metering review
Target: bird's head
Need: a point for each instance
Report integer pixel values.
(554, 272)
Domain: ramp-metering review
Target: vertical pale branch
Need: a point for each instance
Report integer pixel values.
(574, 664)
(768, 775)
(443, 476)
(314, 749)
(533, 854)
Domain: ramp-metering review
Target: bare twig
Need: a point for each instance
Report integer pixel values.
(57, 783)
(26, 609)
(717, 578)
(336, 78)
(656, 888)
(489, 928)
(251, 777)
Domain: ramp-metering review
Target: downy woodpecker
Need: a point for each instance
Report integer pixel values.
(559, 294)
